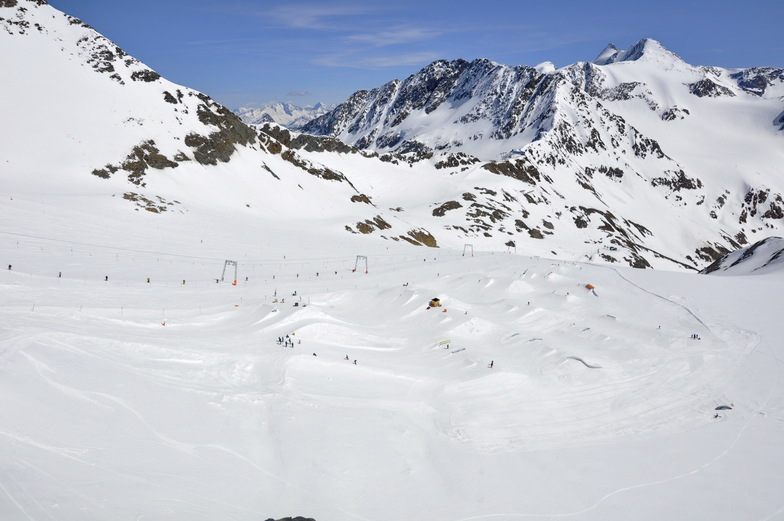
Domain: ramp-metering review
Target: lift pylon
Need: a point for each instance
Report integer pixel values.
(229, 263)
(361, 258)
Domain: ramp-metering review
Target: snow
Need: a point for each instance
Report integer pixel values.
(172, 400)
(597, 407)
(545, 67)
(764, 256)
(285, 114)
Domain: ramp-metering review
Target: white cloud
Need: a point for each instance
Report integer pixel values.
(400, 35)
(352, 60)
(317, 16)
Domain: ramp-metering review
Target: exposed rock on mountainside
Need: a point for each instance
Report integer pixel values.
(582, 137)
(305, 141)
(765, 255)
(635, 158)
(221, 144)
(141, 157)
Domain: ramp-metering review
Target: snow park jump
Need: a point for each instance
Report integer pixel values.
(585, 386)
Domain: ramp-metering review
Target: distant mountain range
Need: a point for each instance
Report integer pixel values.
(636, 157)
(284, 114)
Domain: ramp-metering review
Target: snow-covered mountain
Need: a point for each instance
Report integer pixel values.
(639, 159)
(637, 143)
(102, 127)
(284, 114)
(761, 257)
(159, 251)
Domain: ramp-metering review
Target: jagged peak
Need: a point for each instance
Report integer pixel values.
(440, 65)
(646, 49)
(607, 55)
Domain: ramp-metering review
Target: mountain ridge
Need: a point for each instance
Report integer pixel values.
(282, 113)
(615, 119)
(585, 162)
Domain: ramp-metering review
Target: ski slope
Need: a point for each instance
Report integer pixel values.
(125, 399)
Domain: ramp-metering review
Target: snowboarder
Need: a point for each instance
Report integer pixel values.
(106, 278)
(355, 362)
(9, 267)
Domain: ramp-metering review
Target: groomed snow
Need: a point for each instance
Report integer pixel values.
(599, 404)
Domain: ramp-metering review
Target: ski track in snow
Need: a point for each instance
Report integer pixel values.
(680, 476)
(598, 372)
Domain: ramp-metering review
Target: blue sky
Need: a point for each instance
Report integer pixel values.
(248, 52)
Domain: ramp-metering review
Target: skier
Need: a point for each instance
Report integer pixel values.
(491, 364)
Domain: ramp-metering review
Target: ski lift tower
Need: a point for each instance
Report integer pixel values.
(229, 263)
(360, 258)
(467, 247)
